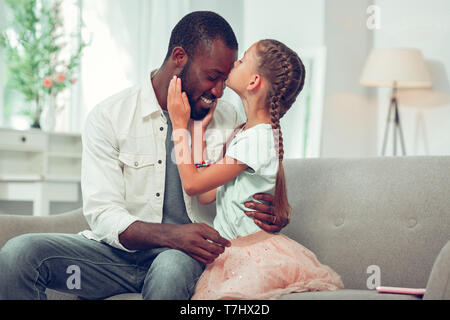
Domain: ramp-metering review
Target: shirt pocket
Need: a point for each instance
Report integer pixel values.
(139, 176)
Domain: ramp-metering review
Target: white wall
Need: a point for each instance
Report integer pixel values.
(425, 114)
(297, 23)
(350, 117)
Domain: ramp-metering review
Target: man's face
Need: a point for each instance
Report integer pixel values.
(203, 77)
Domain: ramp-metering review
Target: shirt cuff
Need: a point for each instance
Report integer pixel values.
(121, 226)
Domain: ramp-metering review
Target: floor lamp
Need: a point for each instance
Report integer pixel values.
(395, 68)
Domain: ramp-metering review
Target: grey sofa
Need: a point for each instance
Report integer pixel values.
(391, 213)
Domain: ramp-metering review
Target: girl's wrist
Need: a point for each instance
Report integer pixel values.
(177, 126)
(203, 164)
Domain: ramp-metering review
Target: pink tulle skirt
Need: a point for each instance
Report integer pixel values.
(264, 266)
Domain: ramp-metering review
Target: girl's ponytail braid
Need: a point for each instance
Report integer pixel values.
(286, 75)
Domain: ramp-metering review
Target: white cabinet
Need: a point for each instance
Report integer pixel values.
(40, 167)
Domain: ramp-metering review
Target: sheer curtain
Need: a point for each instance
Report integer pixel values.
(2, 13)
(128, 40)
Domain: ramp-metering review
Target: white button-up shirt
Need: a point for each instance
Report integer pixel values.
(123, 162)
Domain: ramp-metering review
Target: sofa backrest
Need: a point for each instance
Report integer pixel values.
(15, 225)
(361, 216)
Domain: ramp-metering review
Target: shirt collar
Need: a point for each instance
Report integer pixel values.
(149, 102)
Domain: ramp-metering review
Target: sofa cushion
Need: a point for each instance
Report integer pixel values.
(126, 296)
(348, 294)
(391, 213)
(345, 294)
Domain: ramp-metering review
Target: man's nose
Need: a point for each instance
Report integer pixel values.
(218, 89)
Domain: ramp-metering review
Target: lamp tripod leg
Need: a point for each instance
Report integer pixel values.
(399, 128)
(386, 130)
(395, 131)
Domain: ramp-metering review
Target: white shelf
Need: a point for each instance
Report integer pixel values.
(21, 177)
(64, 155)
(19, 148)
(40, 167)
(61, 178)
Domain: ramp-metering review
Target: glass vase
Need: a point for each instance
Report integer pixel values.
(48, 114)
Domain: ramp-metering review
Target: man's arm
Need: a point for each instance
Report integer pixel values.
(104, 202)
(264, 215)
(102, 182)
(200, 241)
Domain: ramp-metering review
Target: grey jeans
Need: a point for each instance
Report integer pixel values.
(92, 270)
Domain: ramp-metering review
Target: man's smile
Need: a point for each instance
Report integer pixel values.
(207, 101)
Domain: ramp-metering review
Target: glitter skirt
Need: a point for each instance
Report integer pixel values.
(264, 266)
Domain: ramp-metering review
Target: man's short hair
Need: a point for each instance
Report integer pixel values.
(200, 27)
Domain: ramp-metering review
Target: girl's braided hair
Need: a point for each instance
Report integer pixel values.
(285, 74)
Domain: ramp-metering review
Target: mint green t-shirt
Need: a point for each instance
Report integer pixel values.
(256, 148)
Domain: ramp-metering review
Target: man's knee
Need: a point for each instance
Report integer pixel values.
(17, 252)
(18, 263)
(172, 275)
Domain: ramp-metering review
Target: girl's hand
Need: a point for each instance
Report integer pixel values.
(178, 105)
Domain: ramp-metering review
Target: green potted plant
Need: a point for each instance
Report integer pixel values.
(34, 44)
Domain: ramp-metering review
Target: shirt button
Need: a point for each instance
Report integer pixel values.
(161, 129)
(136, 164)
(157, 194)
(159, 161)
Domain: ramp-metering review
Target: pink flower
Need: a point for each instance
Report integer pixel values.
(60, 77)
(73, 80)
(47, 82)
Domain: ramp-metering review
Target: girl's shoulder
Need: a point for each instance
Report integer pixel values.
(254, 147)
(259, 131)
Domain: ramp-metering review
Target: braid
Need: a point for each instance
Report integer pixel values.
(285, 74)
(276, 128)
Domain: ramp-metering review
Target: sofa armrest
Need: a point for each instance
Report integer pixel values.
(69, 222)
(438, 286)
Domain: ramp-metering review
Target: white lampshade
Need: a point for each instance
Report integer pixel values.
(403, 68)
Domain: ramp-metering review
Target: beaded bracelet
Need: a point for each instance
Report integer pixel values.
(204, 163)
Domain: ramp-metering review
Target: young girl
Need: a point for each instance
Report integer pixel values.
(257, 265)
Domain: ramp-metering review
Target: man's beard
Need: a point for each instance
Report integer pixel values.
(196, 113)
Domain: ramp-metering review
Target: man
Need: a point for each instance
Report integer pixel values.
(146, 234)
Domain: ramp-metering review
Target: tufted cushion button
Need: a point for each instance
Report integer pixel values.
(339, 222)
(412, 222)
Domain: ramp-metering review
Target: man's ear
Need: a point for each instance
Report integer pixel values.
(255, 82)
(179, 58)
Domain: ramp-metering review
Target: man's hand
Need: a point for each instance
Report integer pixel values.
(198, 240)
(264, 215)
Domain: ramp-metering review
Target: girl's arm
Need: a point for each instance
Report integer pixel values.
(198, 143)
(198, 182)
(179, 109)
(194, 182)
(208, 196)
